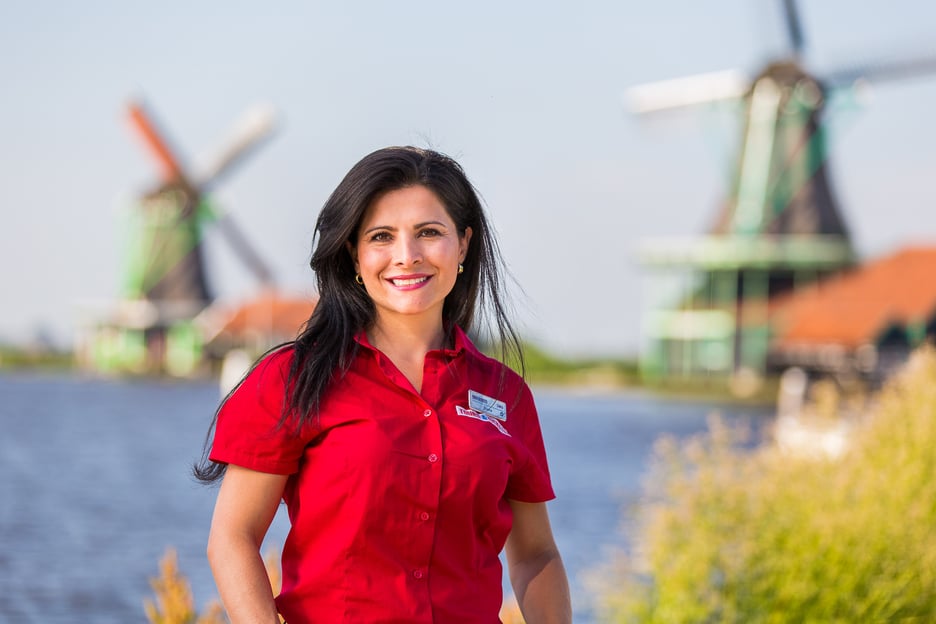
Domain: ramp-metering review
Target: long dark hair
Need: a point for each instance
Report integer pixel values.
(325, 348)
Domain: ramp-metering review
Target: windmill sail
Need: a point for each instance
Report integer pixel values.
(166, 266)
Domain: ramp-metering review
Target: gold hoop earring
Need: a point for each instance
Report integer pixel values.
(359, 279)
(461, 269)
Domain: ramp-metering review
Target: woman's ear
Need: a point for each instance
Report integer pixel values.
(352, 250)
(463, 244)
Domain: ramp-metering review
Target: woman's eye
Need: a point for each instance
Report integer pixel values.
(380, 237)
(430, 232)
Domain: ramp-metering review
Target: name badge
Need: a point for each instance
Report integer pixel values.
(487, 405)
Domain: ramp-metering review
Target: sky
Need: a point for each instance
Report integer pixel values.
(528, 96)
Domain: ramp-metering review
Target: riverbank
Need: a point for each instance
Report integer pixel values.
(598, 375)
(35, 358)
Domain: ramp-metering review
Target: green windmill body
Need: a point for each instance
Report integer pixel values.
(779, 228)
(165, 261)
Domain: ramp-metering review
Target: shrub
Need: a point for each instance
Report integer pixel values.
(732, 535)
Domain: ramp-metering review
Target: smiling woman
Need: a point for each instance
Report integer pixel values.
(408, 253)
(408, 460)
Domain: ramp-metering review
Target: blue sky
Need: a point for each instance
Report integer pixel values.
(526, 95)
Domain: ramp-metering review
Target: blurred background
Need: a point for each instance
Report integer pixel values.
(599, 180)
(530, 98)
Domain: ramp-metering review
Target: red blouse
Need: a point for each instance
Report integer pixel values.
(397, 499)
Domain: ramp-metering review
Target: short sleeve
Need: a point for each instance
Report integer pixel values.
(249, 432)
(530, 481)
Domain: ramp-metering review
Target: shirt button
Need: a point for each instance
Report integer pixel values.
(424, 515)
(427, 413)
(417, 574)
(433, 458)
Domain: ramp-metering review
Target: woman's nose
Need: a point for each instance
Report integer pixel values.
(408, 251)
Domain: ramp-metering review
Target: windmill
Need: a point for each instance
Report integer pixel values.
(165, 285)
(780, 226)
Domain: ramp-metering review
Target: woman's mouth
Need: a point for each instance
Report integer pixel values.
(406, 282)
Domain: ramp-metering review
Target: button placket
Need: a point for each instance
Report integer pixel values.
(425, 511)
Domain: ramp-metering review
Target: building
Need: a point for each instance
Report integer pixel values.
(861, 322)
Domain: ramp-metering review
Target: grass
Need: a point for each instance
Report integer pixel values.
(542, 368)
(37, 358)
(545, 368)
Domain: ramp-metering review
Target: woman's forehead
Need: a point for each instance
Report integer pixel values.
(406, 206)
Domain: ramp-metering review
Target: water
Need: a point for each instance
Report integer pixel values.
(95, 486)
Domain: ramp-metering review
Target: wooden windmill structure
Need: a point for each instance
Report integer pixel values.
(165, 289)
(779, 228)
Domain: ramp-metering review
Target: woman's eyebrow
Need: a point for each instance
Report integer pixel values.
(393, 229)
(379, 227)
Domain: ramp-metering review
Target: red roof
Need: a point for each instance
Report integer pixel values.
(856, 307)
(269, 313)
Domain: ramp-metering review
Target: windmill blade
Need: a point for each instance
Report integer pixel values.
(689, 91)
(793, 26)
(144, 123)
(244, 250)
(253, 128)
(882, 71)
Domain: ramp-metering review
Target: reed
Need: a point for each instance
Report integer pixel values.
(173, 602)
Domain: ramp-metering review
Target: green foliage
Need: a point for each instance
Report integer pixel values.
(34, 358)
(543, 367)
(763, 536)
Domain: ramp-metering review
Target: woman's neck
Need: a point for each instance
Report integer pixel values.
(410, 340)
(406, 344)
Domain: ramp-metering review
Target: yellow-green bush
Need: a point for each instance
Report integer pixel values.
(733, 535)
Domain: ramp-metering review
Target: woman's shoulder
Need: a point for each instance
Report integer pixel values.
(498, 369)
(272, 367)
(279, 356)
(496, 372)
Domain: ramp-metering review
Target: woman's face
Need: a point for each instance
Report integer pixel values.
(408, 250)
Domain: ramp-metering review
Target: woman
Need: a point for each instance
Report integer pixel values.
(407, 459)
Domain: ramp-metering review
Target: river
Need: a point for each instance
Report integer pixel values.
(95, 486)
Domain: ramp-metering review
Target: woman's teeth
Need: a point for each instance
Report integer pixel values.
(409, 282)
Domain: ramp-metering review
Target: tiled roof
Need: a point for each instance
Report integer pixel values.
(269, 313)
(856, 307)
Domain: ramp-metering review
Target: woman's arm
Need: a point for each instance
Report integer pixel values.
(246, 505)
(536, 571)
